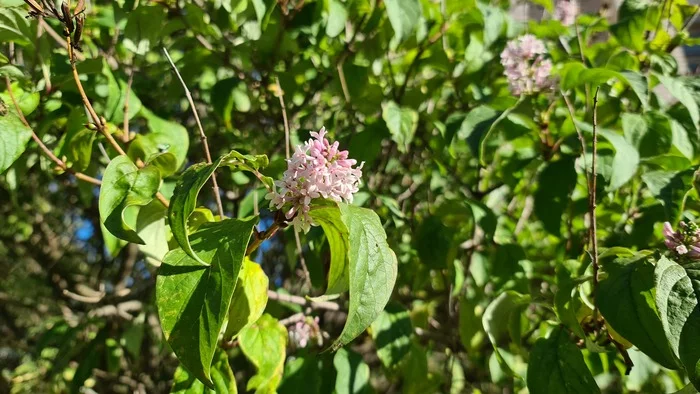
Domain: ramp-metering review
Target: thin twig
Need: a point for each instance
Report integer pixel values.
(327, 305)
(287, 147)
(592, 204)
(343, 82)
(297, 317)
(125, 131)
(580, 138)
(202, 136)
(44, 148)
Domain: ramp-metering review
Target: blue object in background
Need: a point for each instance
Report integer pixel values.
(85, 230)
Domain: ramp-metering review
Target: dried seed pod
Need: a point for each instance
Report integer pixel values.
(67, 18)
(79, 8)
(79, 24)
(37, 8)
(3, 108)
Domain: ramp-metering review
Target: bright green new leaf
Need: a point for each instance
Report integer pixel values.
(630, 31)
(337, 16)
(678, 297)
(557, 366)
(337, 236)
(249, 299)
(27, 100)
(403, 16)
(402, 124)
(353, 373)
(626, 300)
(165, 162)
(392, 332)
(373, 270)
(14, 136)
(124, 185)
(184, 202)
(193, 300)
(221, 375)
(264, 344)
(251, 163)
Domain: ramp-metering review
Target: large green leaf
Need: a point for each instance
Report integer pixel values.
(626, 160)
(630, 31)
(124, 185)
(164, 136)
(264, 343)
(14, 136)
(249, 299)
(678, 300)
(221, 375)
(337, 235)
(557, 366)
(150, 226)
(402, 124)
(193, 300)
(392, 332)
(626, 300)
(403, 16)
(353, 373)
(373, 270)
(555, 185)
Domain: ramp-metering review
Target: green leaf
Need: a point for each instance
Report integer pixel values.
(669, 187)
(251, 163)
(143, 29)
(221, 374)
(306, 375)
(77, 148)
(630, 31)
(626, 160)
(626, 300)
(639, 85)
(249, 299)
(124, 185)
(165, 162)
(27, 100)
(337, 16)
(500, 320)
(184, 201)
(392, 332)
(402, 124)
(403, 16)
(164, 136)
(680, 91)
(337, 236)
(557, 366)
(14, 136)
(193, 300)
(556, 183)
(678, 297)
(373, 270)
(353, 373)
(150, 226)
(264, 344)
(433, 243)
(475, 126)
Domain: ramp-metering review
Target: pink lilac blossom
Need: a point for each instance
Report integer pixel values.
(526, 68)
(566, 12)
(317, 169)
(301, 333)
(684, 242)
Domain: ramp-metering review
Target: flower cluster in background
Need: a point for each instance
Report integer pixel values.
(316, 170)
(566, 12)
(684, 242)
(526, 68)
(305, 331)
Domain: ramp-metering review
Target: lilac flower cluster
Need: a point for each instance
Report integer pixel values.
(566, 12)
(301, 333)
(526, 68)
(316, 170)
(684, 242)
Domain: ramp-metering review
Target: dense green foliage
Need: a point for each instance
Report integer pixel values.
(502, 240)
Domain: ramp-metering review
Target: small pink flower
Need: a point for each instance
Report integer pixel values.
(317, 169)
(526, 68)
(301, 333)
(566, 12)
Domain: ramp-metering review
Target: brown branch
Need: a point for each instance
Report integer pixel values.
(44, 148)
(57, 37)
(327, 305)
(202, 136)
